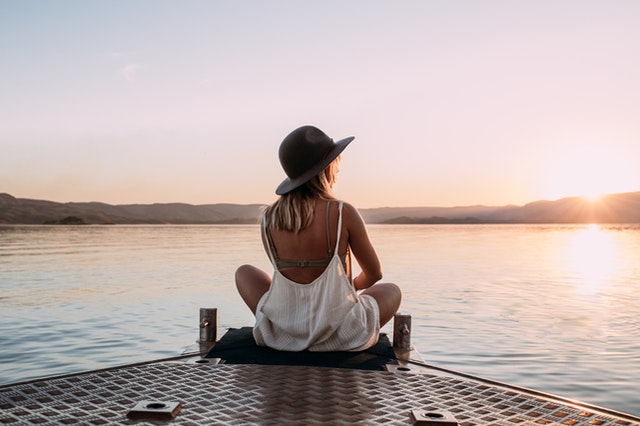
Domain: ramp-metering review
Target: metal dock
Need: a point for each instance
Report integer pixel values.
(220, 394)
(195, 390)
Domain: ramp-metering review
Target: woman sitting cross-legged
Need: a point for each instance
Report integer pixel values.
(311, 302)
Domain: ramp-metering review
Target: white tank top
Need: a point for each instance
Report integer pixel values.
(324, 315)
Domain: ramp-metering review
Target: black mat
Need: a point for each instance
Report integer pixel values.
(238, 346)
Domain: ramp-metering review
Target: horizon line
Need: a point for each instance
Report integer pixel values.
(584, 197)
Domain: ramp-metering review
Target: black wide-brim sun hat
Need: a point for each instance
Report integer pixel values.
(304, 153)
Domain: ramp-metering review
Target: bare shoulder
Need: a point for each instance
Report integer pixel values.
(348, 209)
(351, 216)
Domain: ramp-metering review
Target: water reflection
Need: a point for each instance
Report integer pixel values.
(591, 257)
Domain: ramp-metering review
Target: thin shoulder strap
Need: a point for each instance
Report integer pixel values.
(271, 249)
(339, 227)
(329, 248)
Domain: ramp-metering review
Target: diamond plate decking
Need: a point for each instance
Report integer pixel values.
(280, 395)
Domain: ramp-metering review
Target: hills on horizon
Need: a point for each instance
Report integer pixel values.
(611, 208)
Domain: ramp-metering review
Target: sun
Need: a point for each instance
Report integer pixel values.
(589, 173)
(593, 196)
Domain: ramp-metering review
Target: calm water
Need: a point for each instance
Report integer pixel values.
(553, 308)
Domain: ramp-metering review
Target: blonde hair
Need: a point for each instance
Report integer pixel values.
(294, 210)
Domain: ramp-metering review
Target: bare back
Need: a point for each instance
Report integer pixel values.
(311, 243)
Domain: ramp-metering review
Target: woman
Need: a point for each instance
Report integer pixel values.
(310, 302)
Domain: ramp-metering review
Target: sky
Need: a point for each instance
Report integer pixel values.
(451, 102)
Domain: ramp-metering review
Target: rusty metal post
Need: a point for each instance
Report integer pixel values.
(402, 332)
(208, 325)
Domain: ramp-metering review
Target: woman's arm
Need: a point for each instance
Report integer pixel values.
(362, 249)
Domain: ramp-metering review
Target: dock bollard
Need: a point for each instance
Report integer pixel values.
(208, 325)
(402, 332)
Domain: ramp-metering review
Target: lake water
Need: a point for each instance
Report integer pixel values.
(553, 308)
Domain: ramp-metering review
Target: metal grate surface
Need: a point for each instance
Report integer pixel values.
(252, 394)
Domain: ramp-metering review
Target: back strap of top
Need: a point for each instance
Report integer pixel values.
(286, 263)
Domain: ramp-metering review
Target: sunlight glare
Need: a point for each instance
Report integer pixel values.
(591, 257)
(593, 197)
(587, 172)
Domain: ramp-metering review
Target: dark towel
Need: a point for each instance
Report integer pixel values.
(238, 346)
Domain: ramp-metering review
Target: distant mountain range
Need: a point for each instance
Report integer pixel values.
(612, 208)
(25, 211)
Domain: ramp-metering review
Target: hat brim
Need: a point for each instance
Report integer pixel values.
(289, 185)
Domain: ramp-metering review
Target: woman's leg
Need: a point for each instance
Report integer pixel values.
(388, 296)
(252, 283)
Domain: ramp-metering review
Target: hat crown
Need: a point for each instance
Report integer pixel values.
(304, 153)
(302, 149)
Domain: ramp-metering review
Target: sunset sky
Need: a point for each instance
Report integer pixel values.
(451, 102)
